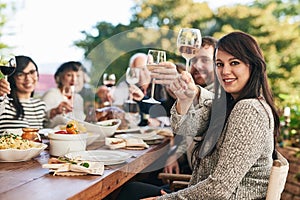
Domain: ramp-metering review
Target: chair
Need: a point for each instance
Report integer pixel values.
(176, 181)
(279, 173)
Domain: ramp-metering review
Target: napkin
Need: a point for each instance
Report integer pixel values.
(117, 143)
(82, 167)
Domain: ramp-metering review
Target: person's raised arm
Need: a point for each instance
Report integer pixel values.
(4, 87)
(185, 90)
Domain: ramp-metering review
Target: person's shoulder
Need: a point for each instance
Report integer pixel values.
(51, 91)
(251, 102)
(39, 101)
(258, 105)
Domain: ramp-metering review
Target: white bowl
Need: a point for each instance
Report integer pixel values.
(16, 155)
(106, 127)
(61, 144)
(92, 137)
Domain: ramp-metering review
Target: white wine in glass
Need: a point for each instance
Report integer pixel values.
(154, 58)
(132, 78)
(189, 42)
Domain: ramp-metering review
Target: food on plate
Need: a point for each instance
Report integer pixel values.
(112, 123)
(61, 132)
(12, 141)
(31, 134)
(112, 112)
(117, 142)
(65, 166)
(72, 127)
(165, 132)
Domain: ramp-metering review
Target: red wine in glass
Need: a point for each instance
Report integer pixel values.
(7, 70)
(109, 80)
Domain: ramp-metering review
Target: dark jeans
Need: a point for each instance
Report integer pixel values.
(138, 190)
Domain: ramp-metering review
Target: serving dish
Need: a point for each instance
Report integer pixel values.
(106, 127)
(61, 144)
(16, 155)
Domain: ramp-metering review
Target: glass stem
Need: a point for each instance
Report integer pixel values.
(153, 88)
(187, 64)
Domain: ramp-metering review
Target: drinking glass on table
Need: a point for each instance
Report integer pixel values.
(154, 58)
(189, 42)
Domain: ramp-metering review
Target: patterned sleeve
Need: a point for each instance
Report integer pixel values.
(197, 118)
(243, 145)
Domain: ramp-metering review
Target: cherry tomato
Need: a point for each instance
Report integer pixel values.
(61, 132)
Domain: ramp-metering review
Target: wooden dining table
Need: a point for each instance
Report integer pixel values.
(28, 180)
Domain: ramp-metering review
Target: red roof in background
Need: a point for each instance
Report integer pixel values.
(46, 81)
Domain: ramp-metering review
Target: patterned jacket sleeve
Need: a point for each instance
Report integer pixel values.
(197, 118)
(243, 155)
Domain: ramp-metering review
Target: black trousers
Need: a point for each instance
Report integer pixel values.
(138, 190)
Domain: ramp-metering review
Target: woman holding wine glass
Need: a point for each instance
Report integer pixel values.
(64, 96)
(20, 108)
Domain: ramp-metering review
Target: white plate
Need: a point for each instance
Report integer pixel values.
(16, 155)
(129, 130)
(145, 136)
(108, 157)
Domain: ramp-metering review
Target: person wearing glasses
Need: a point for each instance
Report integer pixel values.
(22, 110)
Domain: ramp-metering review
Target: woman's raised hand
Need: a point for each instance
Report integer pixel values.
(63, 108)
(185, 91)
(4, 87)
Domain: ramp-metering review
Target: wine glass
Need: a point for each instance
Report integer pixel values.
(68, 92)
(109, 80)
(7, 68)
(132, 77)
(154, 58)
(189, 42)
(132, 113)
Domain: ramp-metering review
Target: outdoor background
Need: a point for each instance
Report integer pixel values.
(103, 35)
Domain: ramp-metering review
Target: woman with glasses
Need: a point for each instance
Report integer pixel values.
(22, 110)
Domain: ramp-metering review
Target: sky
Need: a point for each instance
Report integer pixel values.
(46, 29)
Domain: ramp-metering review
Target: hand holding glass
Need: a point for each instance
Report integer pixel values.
(189, 42)
(69, 92)
(7, 67)
(154, 58)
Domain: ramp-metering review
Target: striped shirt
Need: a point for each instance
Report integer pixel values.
(34, 114)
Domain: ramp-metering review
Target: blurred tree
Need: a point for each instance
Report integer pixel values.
(3, 20)
(155, 23)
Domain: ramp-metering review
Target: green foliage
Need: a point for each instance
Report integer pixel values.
(275, 25)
